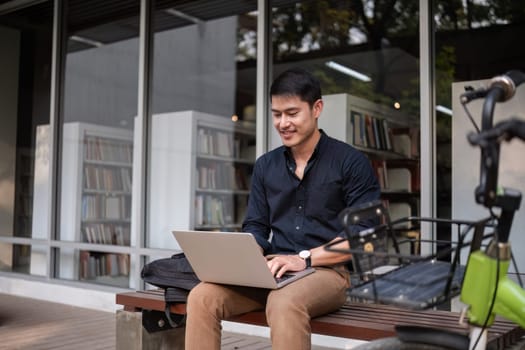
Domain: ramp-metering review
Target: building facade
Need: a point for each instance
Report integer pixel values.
(124, 120)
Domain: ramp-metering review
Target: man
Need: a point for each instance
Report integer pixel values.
(297, 193)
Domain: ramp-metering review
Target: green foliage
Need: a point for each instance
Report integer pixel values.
(337, 25)
(458, 14)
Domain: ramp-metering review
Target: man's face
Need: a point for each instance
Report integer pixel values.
(294, 120)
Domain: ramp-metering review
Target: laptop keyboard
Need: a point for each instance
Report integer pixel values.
(283, 277)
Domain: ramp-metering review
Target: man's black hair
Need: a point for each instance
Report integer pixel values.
(297, 82)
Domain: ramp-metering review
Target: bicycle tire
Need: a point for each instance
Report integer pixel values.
(394, 343)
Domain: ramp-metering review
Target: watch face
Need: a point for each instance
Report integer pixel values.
(304, 254)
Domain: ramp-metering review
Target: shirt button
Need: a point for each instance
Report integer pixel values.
(300, 207)
(297, 227)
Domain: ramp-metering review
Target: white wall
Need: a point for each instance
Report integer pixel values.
(466, 158)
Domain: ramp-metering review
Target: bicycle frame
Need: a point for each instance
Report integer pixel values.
(494, 294)
(486, 288)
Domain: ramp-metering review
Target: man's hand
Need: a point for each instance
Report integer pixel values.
(279, 264)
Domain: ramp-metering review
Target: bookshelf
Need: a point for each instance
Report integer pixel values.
(389, 138)
(96, 201)
(201, 166)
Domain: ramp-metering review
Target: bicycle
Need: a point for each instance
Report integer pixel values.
(425, 281)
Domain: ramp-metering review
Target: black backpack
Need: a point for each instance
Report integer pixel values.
(176, 277)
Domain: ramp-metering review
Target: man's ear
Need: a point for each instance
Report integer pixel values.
(317, 108)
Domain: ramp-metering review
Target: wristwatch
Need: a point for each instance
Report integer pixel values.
(306, 256)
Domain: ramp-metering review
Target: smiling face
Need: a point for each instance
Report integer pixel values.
(296, 121)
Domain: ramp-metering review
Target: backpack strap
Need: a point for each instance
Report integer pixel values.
(173, 295)
(181, 319)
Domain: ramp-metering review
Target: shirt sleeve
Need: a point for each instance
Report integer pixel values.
(360, 186)
(257, 220)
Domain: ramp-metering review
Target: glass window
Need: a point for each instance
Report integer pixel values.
(474, 41)
(99, 106)
(24, 258)
(25, 71)
(366, 55)
(203, 122)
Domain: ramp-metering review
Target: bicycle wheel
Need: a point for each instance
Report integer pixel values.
(396, 344)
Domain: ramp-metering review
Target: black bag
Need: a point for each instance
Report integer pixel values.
(176, 277)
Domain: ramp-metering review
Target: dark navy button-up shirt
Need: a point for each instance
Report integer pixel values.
(303, 214)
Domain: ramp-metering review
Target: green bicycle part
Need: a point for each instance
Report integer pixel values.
(478, 289)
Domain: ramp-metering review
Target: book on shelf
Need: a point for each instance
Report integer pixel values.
(202, 141)
(400, 179)
(370, 139)
(399, 210)
(112, 265)
(223, 143)
(396, 175)
(242, 178)
(376, 133)
(387, 134)
(113, 207)
(405, 141)
(415, 135)
(380, 170)
(357, 134)
(123, 264)
(199, 210)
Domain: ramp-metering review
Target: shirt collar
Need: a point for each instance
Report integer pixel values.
(318, 148)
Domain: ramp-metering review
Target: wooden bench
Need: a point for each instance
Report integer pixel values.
(358, 321)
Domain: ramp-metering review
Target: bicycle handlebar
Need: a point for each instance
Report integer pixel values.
(502, 131)
(507, 82)
(500, 89)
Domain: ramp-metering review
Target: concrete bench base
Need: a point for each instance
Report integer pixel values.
(131, 335)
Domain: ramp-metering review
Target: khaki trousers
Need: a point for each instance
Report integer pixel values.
(288, 310)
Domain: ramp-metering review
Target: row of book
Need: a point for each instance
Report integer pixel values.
(108, 179)
(93, 265)
(370, 132)
(222, 176)
(108, 150)
(214, 210)
(375, 133)
(219, 143)
(97, 206)
(106, 234)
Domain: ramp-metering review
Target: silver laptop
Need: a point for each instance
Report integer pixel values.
(231, 258)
